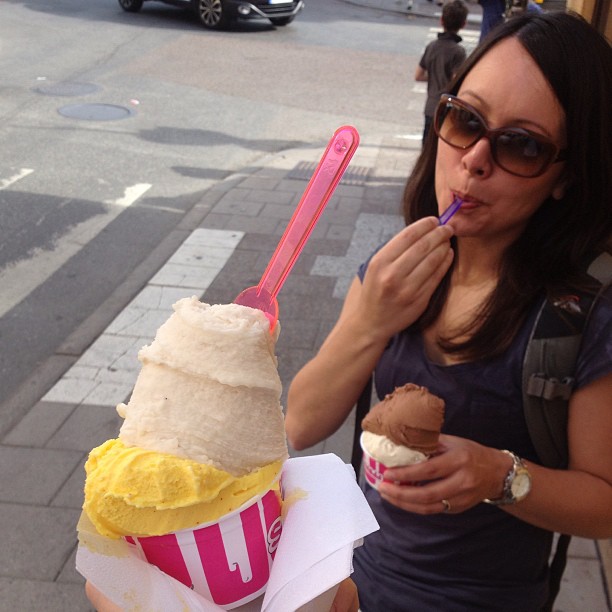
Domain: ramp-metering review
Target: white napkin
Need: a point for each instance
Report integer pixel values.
(327, 516)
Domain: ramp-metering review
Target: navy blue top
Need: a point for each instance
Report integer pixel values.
(483, 558)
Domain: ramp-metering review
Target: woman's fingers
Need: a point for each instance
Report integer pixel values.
(403, 275)
(100, 602)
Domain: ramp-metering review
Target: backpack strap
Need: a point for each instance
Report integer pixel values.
(549, 365)
(548, 376)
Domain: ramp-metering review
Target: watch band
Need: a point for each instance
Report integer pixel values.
(518, 469)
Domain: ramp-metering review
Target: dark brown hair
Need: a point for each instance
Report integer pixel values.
(454, 14)
(562, 237)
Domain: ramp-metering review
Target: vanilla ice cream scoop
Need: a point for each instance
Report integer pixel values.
(209, 390)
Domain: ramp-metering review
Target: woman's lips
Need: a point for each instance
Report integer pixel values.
(469, 202)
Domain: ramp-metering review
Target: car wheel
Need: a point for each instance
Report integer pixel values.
(212, 14)
(282, 21)
(131, 6)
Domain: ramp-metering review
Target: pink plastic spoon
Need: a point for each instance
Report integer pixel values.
(326, 177)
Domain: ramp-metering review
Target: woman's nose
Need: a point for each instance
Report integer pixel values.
(478, 159)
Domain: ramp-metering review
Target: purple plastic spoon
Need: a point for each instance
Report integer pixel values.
(322, 184)
(450, 211)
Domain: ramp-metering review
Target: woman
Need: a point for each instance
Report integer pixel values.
(524, 139)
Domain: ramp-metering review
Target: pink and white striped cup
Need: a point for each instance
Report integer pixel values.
(228, 561)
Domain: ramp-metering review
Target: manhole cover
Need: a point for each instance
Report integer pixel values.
(67, 88)
(95, 112)
(354, 175)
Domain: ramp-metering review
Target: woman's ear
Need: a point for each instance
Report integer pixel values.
(560, 188)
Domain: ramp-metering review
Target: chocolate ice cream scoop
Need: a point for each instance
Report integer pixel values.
(410, 416)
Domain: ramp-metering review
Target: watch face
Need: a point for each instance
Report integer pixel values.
(521, 485)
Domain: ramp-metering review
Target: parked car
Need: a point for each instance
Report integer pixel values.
(220, 14)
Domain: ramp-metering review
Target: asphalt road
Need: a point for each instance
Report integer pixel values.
(113, 126)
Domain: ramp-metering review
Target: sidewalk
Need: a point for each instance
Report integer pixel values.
(225, 245)
(420, 8)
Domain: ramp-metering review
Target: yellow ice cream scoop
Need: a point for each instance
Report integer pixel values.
(134, 491)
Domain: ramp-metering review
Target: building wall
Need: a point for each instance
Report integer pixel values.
(595, 10)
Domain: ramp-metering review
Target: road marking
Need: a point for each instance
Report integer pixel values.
(19, 279)
(23, 172)
(106, 372)
(130, 195)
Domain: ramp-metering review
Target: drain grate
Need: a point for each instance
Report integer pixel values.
(95, 112)
(68, 89)
(354, 175)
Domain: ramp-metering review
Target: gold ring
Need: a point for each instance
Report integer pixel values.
(447, 506)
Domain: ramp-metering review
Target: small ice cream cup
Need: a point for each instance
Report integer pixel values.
(227, 561)
(374, 470)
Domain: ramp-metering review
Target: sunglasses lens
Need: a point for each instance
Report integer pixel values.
(458, 126)
(520, 153)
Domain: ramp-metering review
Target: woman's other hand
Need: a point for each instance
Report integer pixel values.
(346, 599)
(462, 474)
(99, 601)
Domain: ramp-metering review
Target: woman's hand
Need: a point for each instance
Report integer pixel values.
(403, 275)
(346, 599)
(100, 602)
(459, 477)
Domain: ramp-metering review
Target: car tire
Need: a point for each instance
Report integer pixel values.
(212, 14)
(131, 6)
(282, 21)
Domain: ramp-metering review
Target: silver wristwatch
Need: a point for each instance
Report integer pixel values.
(517, 483)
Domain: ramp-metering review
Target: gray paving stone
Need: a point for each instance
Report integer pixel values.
(36, 541)
(39, 424)
(33, 595)
(71, 494)
(297, 187)
(313, 287)
(582, 588)
(297, 334)
(236, 206)
(217, 220)
(284, 198)
(277, 211)
(87, 427)
(254, 225)
(34, 475)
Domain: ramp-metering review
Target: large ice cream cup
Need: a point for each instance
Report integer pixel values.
(227, 561)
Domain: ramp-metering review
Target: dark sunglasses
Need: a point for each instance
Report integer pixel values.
(517, 151)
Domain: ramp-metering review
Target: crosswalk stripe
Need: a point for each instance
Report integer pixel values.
(23, 172)
(106, 372)
(130, 195)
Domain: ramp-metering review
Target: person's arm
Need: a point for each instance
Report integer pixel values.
(576, 501)
(396, 289)
(420, 74)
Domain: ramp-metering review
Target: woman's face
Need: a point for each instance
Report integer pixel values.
(508, 90)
